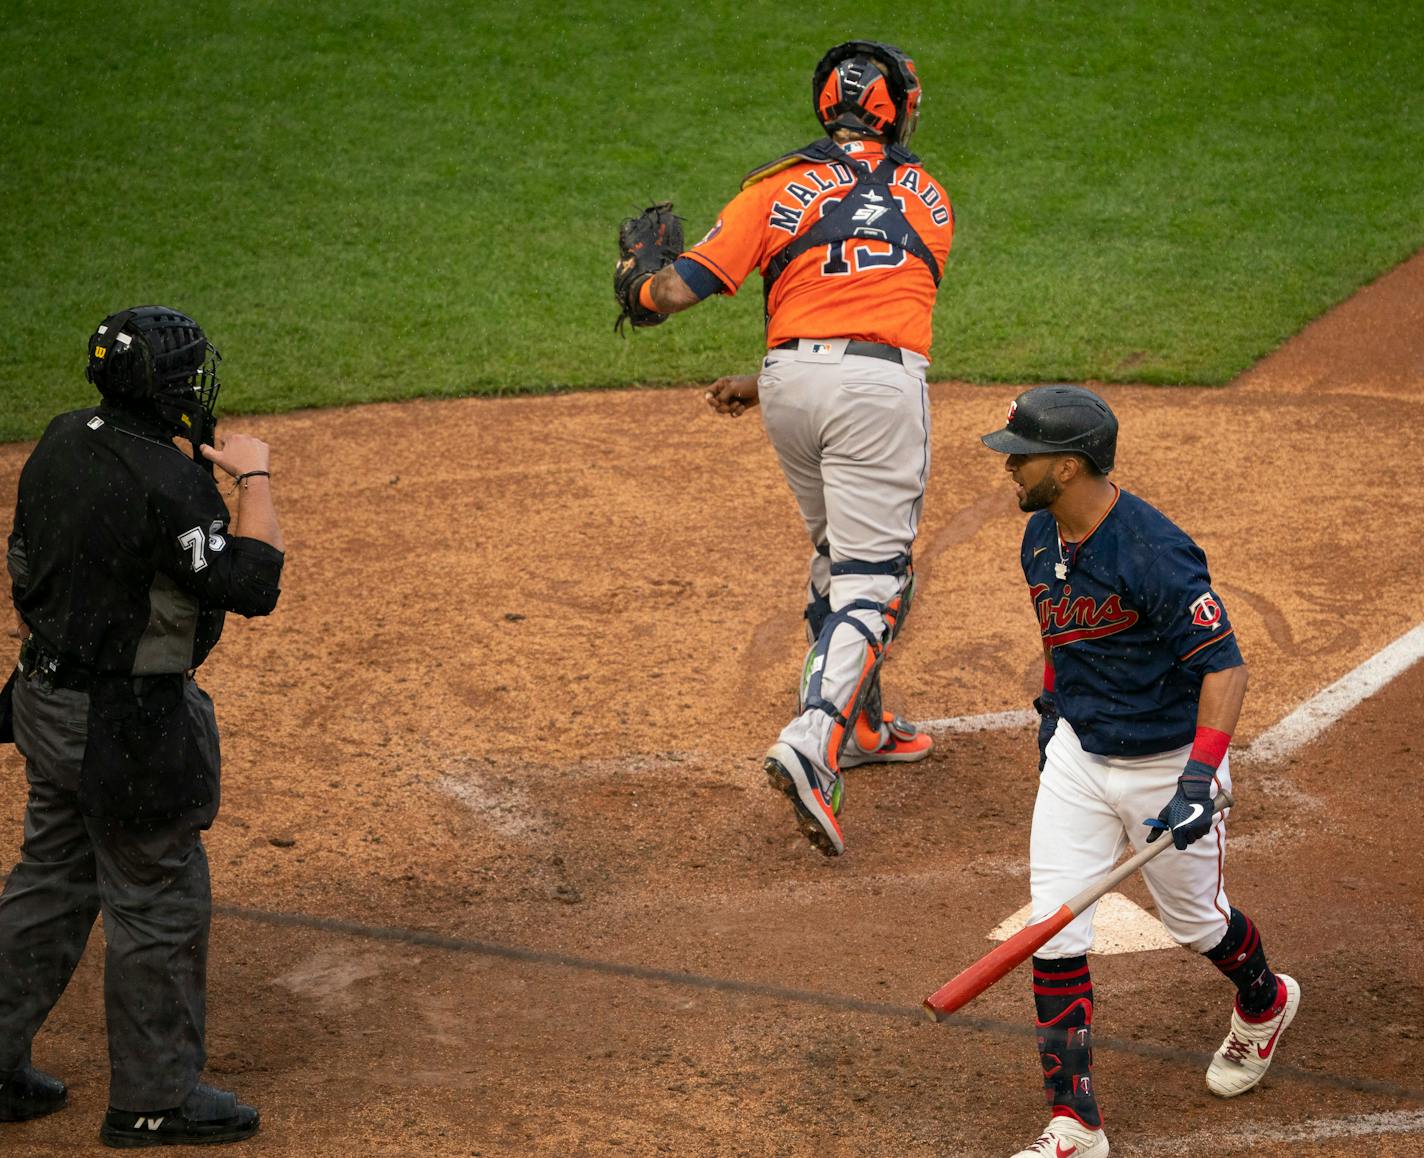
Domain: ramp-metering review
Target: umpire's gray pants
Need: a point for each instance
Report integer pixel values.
(151, 883)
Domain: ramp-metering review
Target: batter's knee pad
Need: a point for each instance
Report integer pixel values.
(864, 702)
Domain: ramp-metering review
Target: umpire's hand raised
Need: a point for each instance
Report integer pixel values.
(238, 454)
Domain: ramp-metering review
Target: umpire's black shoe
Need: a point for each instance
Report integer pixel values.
(27, 1094)
(206, 1116)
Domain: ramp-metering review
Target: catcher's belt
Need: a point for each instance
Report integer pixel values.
(864, 349)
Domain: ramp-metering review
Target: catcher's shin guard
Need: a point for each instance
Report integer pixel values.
(858, 709)
(870, 714)
(867, 721)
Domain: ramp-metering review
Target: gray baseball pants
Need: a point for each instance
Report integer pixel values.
(150, 882)
(852, 434)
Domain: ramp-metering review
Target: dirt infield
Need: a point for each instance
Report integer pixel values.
(499, 874)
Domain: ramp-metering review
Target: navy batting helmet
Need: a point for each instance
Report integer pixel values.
(1059, 420)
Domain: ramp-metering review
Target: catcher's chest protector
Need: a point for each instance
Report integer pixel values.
(869, 210)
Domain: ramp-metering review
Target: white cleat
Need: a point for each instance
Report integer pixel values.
(1247, 1052)
(1067, 1137)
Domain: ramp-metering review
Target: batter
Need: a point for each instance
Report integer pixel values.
(850, 235)
(1143, 685)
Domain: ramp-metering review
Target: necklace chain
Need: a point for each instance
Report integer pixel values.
(1064, 557)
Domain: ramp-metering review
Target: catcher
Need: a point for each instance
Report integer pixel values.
(850, 234)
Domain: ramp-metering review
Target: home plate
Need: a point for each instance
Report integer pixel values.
(1119, 926)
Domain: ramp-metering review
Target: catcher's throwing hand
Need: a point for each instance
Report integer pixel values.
(646, 244)
(1188, 814)
(733, 395)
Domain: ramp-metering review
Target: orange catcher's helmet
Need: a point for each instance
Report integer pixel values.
(867, 87)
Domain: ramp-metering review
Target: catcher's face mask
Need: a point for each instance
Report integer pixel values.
(189, 398)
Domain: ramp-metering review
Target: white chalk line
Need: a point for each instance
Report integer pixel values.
(988, 722)
(1296, 730)
(1311, 1130)
(1328, 705)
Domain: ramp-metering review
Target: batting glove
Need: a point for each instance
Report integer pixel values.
(1188, 814)
(1047, 711)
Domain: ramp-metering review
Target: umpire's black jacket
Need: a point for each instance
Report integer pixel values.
(120, 558)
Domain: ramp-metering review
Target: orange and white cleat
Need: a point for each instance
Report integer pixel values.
(814, 792)
(898, 742)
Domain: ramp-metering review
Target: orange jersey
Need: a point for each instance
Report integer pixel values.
(867, 290)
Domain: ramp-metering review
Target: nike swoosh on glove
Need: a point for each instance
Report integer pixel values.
(1188, 814)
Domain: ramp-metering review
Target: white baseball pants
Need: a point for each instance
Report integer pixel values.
(1088, 808)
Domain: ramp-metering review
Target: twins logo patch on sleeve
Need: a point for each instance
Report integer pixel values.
(1206, 611)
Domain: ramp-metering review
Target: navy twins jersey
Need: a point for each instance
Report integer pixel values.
(1132, 623)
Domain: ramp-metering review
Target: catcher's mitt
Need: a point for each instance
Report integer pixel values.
(646, 243)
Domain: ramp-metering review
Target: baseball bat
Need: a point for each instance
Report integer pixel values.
(1004, 958)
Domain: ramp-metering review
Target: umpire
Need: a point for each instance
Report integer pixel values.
(123, 565)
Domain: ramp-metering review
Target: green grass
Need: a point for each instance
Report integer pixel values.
(368, 201)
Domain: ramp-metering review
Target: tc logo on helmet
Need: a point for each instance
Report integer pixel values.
(1013, 409)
